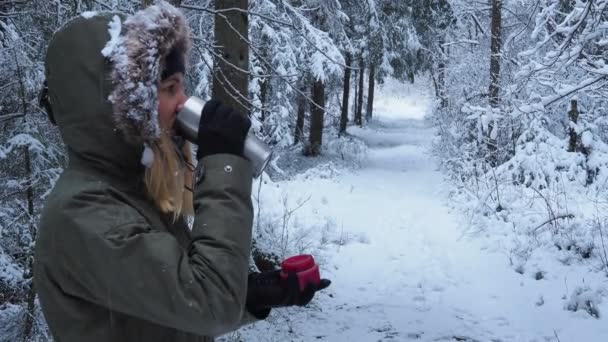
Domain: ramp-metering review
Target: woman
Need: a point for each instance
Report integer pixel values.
(115, 260)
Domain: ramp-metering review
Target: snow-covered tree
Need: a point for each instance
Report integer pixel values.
(534, 142)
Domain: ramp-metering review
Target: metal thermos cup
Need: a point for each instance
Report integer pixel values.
(188, 119)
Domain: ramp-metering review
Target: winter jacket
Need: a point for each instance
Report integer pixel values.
(108, 265)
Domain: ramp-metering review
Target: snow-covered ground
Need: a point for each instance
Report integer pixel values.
(402, 269)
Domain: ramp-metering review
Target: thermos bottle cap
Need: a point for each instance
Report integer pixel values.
(304, 267)
(298, 263)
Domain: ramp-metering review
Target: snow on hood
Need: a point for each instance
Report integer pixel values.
(137, 49)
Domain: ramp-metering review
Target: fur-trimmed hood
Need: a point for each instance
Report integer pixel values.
(137, 50)
(103, 71)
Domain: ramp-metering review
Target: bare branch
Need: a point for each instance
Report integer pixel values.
(13, 14)
(462, 41)
(11, 116)
(583, 85)
(301, 34)
(7, 2)
(553, 219)
(270, 67)
(230, 88)
(211, 50)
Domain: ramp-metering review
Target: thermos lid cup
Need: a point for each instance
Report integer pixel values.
(298, 263)
(305, 268)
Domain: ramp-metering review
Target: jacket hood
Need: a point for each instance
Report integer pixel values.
(102, 72)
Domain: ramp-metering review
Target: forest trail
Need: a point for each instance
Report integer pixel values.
(405, 271)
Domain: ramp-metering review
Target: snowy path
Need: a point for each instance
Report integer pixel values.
(406, 273)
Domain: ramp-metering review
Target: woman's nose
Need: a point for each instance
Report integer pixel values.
(182, 100)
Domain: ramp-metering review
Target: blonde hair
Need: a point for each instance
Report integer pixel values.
(169, 178)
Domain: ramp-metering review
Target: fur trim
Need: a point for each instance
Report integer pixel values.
(137, 57)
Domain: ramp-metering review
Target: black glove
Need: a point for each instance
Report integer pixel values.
(221, 130)
(268, 290)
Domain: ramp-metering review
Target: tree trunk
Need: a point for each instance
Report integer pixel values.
(573, 116)
(441, 75)
(31, 297)
(264, 81)
(231, 68)
(29, 267)
(29, 197)
(263, 97)
(370, 92)
(316, 118)
(230, 84)
(435, 83)
(495, 52)
(356, 97)
(345, 95)
(31, 305)
(358, 120)
(299, 133)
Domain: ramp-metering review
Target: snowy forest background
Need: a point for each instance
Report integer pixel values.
(520, 99)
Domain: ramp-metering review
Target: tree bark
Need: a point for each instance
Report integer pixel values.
(231, 71)
(316, 118)
(263, 97)
(435, 83)
(30, 311)
(356, 97)
(370, 92)
(495, 52)
(29, 267)
(299, 133)
(573, 116)
(441, 75)
(345, 95)
(29, 197)
(264, 82)
(358, 120)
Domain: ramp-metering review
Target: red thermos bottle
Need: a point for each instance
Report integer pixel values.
(305, 268)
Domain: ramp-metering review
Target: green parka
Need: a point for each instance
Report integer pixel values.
(108, 265)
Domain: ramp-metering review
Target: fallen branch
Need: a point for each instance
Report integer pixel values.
(555, 218)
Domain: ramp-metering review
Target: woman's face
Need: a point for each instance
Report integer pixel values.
(171, 99)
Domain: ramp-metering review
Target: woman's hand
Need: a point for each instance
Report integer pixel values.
(268, 290)
(221, 130)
